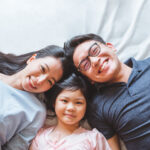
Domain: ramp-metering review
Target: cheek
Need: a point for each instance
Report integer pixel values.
(58, 107)
(45, 86)
(82, 111)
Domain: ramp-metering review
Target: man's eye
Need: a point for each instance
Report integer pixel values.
(94, 51)
(86, 65)
(42, 69)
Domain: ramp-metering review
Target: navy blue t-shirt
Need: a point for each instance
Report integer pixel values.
(124, 108)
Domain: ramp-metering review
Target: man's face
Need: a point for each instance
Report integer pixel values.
(97, 61)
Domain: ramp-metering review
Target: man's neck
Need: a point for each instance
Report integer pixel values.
(123, 74)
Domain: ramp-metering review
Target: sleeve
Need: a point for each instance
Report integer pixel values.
(97, 118)
(21, 116)
(148, 60)
(38, 139)
(98, 141)
(22, 140)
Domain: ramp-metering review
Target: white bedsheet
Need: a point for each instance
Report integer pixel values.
(28, 25)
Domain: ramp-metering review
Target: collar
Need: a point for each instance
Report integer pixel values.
(136, 68)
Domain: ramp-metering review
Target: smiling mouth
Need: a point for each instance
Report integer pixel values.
(31, 84)
(70, 115)
(102, 66)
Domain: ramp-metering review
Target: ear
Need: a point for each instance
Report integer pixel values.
(33, 57)
(111, 46)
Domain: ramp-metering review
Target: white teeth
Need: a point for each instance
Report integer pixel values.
(32, 83)
(103, 66)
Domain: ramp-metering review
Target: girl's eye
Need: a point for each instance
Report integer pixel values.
(43, 69)
(64, 101)
(79, 103)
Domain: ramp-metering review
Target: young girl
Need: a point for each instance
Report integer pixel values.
(69, 100)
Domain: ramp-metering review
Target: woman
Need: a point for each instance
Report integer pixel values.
(21, 113)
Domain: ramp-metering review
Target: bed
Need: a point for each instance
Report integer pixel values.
(28, 25)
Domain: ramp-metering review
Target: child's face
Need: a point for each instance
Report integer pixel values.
(70, 107)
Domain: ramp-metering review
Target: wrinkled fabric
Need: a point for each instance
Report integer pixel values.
(80, 139)
(21, 116)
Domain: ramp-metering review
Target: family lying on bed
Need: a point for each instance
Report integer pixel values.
(115, 94)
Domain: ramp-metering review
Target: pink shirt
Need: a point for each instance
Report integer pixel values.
(80, 139)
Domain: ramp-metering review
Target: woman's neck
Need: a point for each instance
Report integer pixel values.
(11, 80)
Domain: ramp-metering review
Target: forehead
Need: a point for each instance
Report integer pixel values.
(54, 65)
(81, 51)
(69, 93)
(50, 62)
(48, 59)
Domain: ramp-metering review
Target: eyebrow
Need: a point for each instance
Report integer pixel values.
(75, 99)
(80, 98)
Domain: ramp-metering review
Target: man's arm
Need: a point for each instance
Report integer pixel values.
(114, 143)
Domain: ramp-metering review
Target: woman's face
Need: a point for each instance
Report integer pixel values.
(41, 74)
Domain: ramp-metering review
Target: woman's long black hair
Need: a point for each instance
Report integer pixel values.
(11, 64)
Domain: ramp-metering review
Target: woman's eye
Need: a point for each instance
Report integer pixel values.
(43, 69)
(50, 82)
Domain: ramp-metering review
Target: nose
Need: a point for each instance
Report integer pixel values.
(94, 61)
(70, 107)
(42, 78)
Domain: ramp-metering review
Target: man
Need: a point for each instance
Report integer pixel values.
(121, 107)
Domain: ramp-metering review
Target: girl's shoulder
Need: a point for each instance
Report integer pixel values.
(46, 129)
(90, 133)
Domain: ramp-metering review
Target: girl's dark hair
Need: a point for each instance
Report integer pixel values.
(72, 83)
(11, 64)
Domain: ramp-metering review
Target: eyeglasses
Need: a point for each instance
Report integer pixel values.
(93, 51)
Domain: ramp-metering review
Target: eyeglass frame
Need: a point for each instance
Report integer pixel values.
(87, 57)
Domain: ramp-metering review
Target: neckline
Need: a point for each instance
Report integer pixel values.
(62, 140)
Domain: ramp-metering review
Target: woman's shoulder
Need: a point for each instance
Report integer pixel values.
(20, 99)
